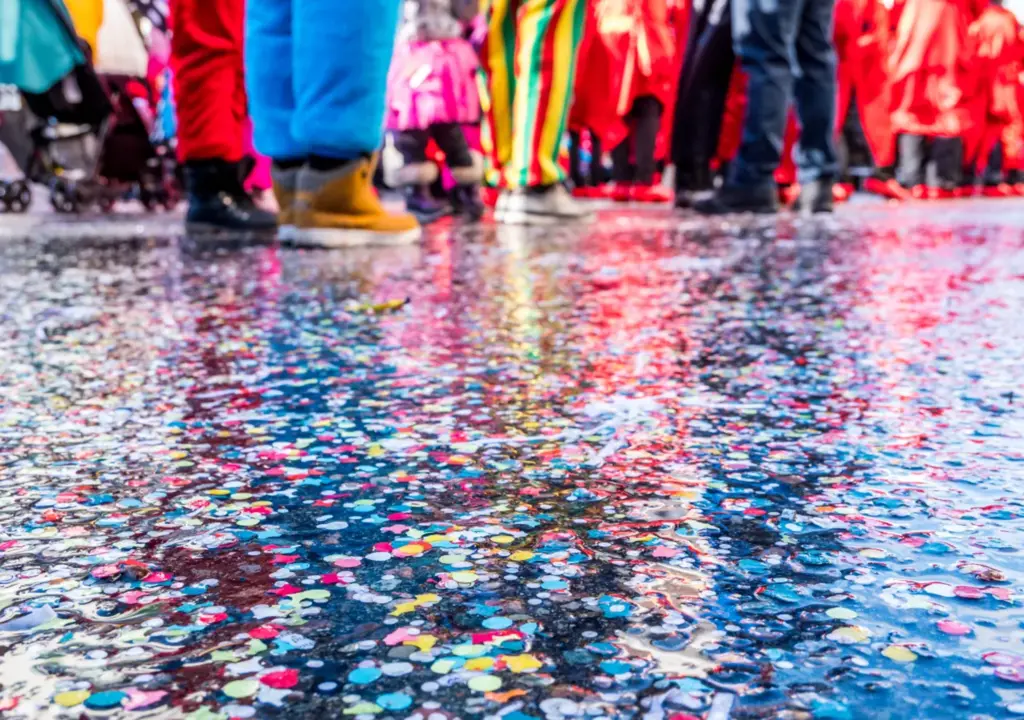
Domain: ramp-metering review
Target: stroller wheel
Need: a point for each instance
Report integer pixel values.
(18, 196)
(64, 196)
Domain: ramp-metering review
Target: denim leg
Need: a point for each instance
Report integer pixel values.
(764, 35)
(268, 77)
(815, 92)
(341, 55)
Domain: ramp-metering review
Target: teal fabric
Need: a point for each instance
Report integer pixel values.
(36, 50)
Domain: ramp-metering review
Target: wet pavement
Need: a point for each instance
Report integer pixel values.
(655, 469)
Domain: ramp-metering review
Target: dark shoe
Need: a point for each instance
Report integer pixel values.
(422, 206)
(761, 200)
(816, 197)
(217, 200)
(466, 202)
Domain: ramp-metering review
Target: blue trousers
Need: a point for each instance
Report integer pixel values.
(316, 75)
(786, 49)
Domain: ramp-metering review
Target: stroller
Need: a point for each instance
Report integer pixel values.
(89, 133)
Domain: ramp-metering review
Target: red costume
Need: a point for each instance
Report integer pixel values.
(629, 53)
(862, 48)
(209, 82)
(930, 60)
(992, 105)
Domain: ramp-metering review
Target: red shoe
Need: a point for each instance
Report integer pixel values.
(651, 194)
(841, 192)
(586, 192)
(964, 192)
(937, 193)
(789, 194)
(886, 188)
(1018, 188)
(621, 192)
(1000, 190)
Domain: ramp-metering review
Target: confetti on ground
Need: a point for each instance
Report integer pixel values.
(657, 469)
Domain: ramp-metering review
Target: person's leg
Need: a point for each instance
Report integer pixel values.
(715, 60)
(417, 174)
(547, 40)
(621, 173)
(548, 35)
(947, 154)
(596, 169)
(498, 61)
(689, 78)
(764, 35)
(465, 169)
(647, 122)
(910, 172)
(341, 52)
(206, 58)
(814, 92)
(575, 166)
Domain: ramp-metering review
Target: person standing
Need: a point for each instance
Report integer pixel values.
(317, 74)
(529, 56)
(209, 88)
(785, 48)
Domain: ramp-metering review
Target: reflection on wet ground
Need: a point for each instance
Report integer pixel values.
(656, 469)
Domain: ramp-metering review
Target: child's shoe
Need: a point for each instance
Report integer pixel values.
(218, 202)
(422, 205)
(651, 194)
(466, 202)
(547, 205)
(284, 192)
(340, 208)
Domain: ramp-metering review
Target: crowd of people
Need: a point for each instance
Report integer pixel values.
(746, 106)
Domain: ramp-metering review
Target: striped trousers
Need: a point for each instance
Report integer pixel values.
(529, 58)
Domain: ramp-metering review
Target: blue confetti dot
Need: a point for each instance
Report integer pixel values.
(105, 700)
(497, 623)
(394, 701)
(363, 676)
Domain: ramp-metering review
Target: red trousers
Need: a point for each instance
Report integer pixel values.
(209, 78)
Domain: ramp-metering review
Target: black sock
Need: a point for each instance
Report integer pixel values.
(288, 163)
(326, 164)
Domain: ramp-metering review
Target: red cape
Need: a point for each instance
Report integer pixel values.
(930, 60)
(862, 48)
(629, 51)
(993, 84)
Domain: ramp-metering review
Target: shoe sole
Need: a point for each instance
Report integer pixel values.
(286, 233)
(344, 238)
(525, 218)
(206, 229)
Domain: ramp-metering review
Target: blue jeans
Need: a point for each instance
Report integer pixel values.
(785, 47)
(316, 75)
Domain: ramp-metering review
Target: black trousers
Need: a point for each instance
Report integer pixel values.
(644, 121)
(700, 100)
(917, 151)
(449, 138)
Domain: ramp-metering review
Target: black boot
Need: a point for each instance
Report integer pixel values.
(217, 200)
(759, 199)
(466, 202)
(422, 205)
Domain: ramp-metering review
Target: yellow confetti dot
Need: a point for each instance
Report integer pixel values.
(364, 708)
(219, 491)
(503, 539)
(485, 683)
(177, 454)
(410, 550)
(72, 698)
(375, 450)
(900, 654)
(522, 663)
(480, 663)
(442, 667)
(873, 553)
(850, 634)
(521, 556)
(422, 642)
(464, 576)
(841, 613)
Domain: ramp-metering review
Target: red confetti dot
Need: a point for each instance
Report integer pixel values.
(282, 679)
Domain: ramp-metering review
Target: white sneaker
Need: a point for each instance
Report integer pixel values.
(548, 207)
(501, 206)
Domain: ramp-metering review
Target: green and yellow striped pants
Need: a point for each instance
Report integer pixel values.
(530, 61)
